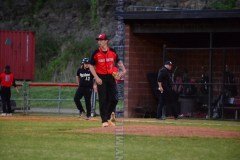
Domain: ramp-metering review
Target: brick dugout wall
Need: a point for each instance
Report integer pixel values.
(143, 54)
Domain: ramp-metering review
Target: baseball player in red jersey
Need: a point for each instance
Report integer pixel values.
(103, 61)
(7, 80)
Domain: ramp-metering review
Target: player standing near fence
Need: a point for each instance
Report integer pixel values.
(85, 80)
(7, 80)
(103, 61)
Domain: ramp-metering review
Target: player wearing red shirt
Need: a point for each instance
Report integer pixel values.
(6, 80)
(103, 61)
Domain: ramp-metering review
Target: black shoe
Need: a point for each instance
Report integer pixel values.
(81, 113)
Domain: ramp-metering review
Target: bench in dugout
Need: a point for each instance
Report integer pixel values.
(233, 104)
(223, 106)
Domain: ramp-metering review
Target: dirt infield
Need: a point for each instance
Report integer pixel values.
(172, 131)
(151, 129)
(167, 129)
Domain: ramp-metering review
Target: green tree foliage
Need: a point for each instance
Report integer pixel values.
(55, 60)
(94, 13)
(38, 5)
(225, 5)
(47, 47)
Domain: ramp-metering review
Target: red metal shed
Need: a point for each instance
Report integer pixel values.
(17, 49)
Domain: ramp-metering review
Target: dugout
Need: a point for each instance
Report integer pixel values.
(190, 38)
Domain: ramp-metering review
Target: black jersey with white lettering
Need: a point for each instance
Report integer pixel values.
(85, 77)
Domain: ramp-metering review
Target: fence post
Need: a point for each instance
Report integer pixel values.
(25, 97)
(93, 103)
(59, 98)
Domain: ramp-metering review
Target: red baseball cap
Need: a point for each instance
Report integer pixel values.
(102, 36)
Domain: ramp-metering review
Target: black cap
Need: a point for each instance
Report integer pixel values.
(168, 63)
(7, 67)
(85, 60)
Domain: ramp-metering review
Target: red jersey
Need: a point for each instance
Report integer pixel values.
(7, 80)
(104, 62)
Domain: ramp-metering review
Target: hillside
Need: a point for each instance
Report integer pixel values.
(66, 29)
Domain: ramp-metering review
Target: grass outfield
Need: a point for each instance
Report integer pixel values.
(60, 138)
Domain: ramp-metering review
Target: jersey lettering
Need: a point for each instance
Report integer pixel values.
(7, 78)
(84, 74)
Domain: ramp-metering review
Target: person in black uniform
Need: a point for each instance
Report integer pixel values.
(85, 80)
(166, 95)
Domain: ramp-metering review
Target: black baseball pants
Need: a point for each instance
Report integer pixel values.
(167, 98)
(6, 96)
(108, 98)
(85, 92)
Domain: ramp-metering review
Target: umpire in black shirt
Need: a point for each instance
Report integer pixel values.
(166, 95)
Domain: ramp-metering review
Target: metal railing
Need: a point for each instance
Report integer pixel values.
(27, 99)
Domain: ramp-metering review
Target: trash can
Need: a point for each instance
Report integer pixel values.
(187, 104)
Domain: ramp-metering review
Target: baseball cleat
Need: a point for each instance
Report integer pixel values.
(105, 124)
(110, 123)
(113, 117)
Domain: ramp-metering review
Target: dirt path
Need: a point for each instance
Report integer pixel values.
(173, 131)
(138, 128)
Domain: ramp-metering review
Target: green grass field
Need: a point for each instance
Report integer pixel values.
(60, 138)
